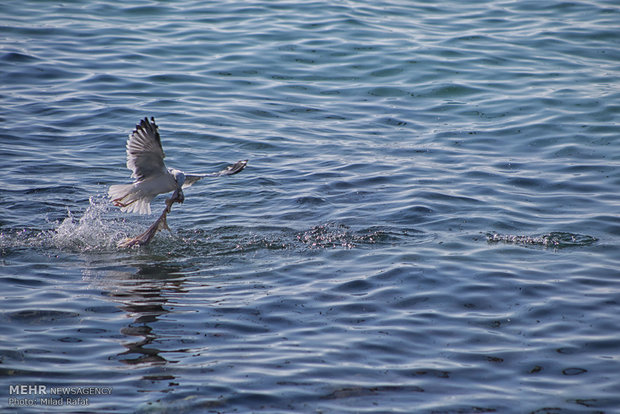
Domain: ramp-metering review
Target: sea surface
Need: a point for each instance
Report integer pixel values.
(429, 220)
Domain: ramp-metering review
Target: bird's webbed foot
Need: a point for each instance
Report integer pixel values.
(118, 203)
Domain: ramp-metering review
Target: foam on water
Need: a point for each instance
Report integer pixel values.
(556, 240)
(332, 235)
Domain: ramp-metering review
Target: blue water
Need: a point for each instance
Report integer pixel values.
(429, 220)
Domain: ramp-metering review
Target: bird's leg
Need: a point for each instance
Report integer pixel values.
(148, 235)
(159, 224)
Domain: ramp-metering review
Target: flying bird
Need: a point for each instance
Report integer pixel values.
(145, 158)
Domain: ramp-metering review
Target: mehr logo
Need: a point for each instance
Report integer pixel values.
(27, 389)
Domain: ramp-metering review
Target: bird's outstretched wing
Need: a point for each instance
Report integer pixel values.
(230, 170)
(145, 156)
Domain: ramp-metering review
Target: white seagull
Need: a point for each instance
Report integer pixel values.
(145, 158)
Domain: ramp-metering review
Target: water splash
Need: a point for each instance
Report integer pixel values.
(95, 230)
(12, 239)
(556, 240)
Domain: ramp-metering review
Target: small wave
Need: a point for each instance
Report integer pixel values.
(556, 240)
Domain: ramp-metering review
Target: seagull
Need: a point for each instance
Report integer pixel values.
(145, 158)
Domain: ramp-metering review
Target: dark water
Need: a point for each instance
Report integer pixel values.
(428, 221)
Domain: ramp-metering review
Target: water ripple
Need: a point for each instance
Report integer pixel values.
(430, 207)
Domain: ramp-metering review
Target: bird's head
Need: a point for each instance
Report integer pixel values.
(179, 176)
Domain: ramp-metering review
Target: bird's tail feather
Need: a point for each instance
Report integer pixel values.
(124, 196)
(119, 191)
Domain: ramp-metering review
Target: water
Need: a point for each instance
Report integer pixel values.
(428, 221)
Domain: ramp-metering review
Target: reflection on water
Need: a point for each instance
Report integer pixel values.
(143, 297)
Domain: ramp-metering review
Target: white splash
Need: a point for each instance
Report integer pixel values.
(95, 230)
